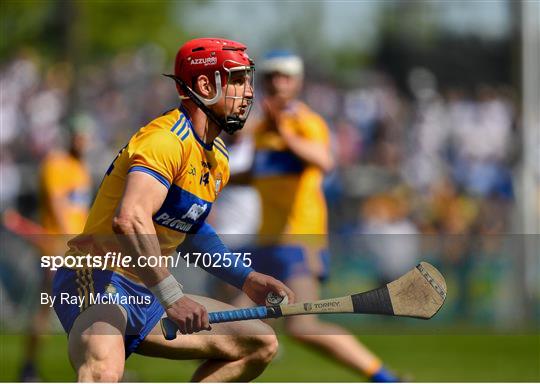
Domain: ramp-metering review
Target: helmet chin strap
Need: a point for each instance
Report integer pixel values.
(230, 124)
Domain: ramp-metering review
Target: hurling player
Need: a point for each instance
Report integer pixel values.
(156, 193)
(64, 184)
(291, 158)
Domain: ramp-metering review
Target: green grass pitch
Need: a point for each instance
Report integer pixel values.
(449, 357)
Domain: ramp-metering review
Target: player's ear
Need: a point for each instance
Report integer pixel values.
(204, 87)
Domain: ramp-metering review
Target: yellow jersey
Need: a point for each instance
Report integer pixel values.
(291, 190)
(169, 150)
(64, 176)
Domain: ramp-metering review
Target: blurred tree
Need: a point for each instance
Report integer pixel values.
(21, 23)
(111, 26)
(86, 30)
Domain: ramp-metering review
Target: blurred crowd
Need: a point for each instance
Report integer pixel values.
(442, 158)
(42, 101)
(437, 156)
(422, 160)
(427, 172)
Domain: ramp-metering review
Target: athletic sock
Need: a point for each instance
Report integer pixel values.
(383, 376)
(29, 372)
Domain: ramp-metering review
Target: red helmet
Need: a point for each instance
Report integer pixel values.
(205, 56)
(217, 59)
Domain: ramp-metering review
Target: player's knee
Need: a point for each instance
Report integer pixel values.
(99, 373)
(263, 349)
(261, 345)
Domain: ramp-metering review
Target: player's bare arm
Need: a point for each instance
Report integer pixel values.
(58, 205)
(310, 151)
(142, 198)
(56, 199)
(282, 91)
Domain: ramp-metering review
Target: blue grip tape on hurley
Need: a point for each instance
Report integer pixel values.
(170, 329)
(238, 314)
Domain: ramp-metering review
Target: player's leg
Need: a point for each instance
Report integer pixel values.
(331, 338)
(37, 328)
(237, 351)
(96, 343)
(328, 337)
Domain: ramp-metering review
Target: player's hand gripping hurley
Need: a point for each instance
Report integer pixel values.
(419, 293)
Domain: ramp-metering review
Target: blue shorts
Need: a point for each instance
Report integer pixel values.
(285, 261)
(142, 308)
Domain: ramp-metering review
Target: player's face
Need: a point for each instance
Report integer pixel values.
(282, 86)
(238, 94)
(79, 143)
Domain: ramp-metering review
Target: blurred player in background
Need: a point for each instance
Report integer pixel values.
(159, 189)
(292, 155)
(65, 187)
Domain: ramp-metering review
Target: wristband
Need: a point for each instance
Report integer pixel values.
(167, 291)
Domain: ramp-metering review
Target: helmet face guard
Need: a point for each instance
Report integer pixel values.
(244, 75)
(218, 59)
